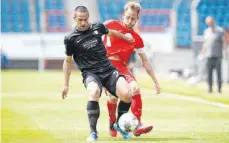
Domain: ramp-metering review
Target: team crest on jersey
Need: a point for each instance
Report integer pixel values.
(95, 32)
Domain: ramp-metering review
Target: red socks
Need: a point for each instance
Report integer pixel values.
(136, 106)
(112, 111)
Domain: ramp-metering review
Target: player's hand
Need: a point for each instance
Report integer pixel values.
(64, 92)
(200, 57)
(157, 88)
(129, 38)
(226, 56)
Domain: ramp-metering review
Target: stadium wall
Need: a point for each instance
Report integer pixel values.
(25, 51)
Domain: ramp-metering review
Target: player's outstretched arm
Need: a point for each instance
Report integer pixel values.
(115, 33)
(225, 44)
(149, 70)
(67, 65)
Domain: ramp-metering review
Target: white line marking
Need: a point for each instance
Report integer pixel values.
(189, 98)
(168, 95)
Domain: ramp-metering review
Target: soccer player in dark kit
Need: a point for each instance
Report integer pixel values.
(86, 47)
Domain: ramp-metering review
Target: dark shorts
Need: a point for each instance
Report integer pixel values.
(107, 79)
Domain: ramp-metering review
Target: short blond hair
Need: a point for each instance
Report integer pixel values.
(133, 5)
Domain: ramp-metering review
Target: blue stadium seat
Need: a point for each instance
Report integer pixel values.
(56, 20)
(60, 4)
(115, 8)
(184, 24)
(218, 9)
(14, 14)
(61, 20)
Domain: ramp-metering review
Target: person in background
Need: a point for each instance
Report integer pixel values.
(4, 60)
(214, 43)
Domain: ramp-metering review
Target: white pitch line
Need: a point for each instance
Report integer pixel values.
(169, 95)
(189, 98)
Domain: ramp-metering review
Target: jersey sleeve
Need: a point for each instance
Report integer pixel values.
(110, 23)
(205, 35)
(103, 28)
(68, 46)
(138, 41)
(222, 33)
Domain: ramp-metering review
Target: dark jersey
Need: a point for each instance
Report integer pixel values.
(88, 50)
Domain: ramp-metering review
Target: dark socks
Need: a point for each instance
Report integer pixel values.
(93, 112)
(123, 108)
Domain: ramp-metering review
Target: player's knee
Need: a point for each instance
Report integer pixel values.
(126, 96)
(127, 99)
(93, 91)
(94, 95)
(135, 88)
(113, 99)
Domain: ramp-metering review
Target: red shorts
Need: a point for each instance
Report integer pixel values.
(122, 68)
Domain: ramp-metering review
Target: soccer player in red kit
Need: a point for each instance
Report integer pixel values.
(119, 51)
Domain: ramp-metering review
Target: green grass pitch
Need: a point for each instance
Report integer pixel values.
(32, 111)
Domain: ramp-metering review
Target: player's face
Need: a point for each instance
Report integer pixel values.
(210, 21)
(130, 18)
(81, 19)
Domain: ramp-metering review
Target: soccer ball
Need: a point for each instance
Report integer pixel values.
(128, 122)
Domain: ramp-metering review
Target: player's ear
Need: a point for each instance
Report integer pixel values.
(123, 14)
(74, 16)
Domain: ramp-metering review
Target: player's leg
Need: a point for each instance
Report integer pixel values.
(124, 103)
(118, 86)
(136, 108)
(219, 73)
(210, 66)
(111, 106)
(112, 102)
(93, 86)
(124, 93)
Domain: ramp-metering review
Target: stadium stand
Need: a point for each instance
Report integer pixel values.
(219, 9)
(150, 20)
(16, 16)
(183, 27)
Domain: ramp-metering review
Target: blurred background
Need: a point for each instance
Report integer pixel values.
(32, 54)
(33, 30)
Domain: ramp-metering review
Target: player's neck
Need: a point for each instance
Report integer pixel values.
(80, 30)
(124, 25)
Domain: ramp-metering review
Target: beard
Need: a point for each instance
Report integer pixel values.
(82, 28)
(130, 26)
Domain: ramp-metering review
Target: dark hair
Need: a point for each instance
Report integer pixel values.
(82, 9)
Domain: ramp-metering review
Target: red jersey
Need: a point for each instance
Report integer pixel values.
(119, 47)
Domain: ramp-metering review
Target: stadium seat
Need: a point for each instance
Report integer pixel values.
(56, 15)
(14, 15)
(114, 8)
(217, 9)
(17, 11)
(183, 24)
